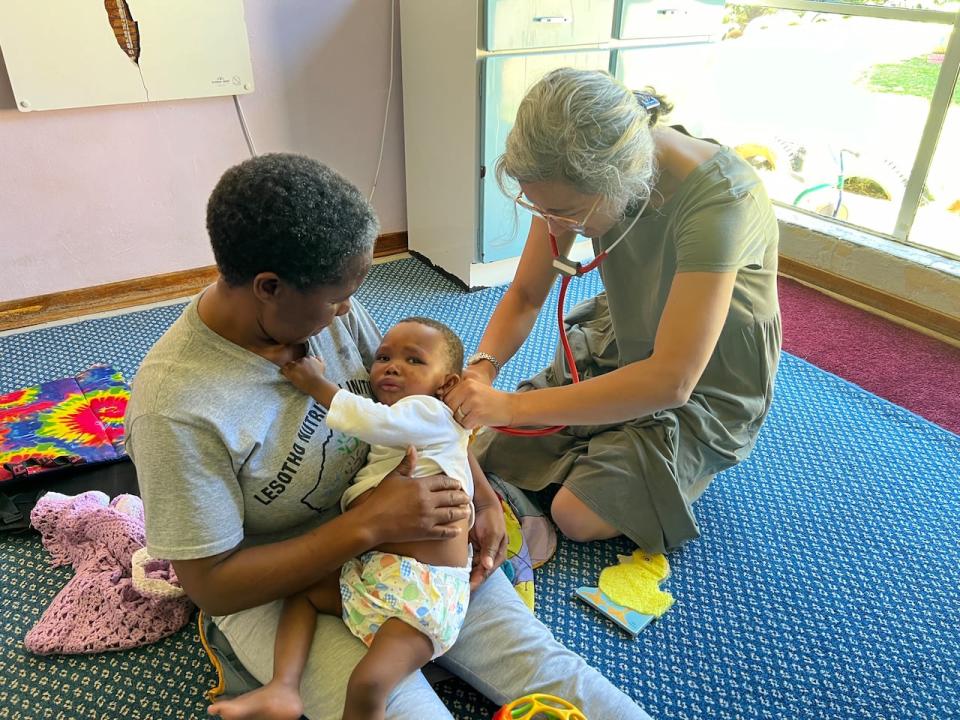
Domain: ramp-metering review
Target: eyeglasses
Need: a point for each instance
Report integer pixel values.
(571, 223)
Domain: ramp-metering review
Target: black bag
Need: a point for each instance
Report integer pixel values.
(19, 494)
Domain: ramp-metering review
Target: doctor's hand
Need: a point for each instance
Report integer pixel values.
(475, 404)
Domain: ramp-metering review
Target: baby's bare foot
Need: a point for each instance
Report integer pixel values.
(271, 702)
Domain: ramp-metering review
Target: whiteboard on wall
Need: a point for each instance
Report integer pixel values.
(80, 53)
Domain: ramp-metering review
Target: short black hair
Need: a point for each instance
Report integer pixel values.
(452, 342)
(291, 215)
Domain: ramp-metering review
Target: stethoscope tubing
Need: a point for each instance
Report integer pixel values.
(573, 270)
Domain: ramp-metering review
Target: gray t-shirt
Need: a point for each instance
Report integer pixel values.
(227, 450)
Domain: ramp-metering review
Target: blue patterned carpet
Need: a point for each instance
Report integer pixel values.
(826, 583)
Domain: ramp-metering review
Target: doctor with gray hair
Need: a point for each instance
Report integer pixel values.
(679, 352)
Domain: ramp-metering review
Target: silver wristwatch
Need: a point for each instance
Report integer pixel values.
(477, 357)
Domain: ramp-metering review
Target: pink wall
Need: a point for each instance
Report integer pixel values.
(97, 195)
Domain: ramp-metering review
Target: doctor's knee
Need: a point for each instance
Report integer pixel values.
(577, 521)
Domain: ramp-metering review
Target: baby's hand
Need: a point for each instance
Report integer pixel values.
(305, 373)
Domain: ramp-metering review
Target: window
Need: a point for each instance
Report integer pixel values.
(848, 110)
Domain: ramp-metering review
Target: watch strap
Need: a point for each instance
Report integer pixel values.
(477, 357)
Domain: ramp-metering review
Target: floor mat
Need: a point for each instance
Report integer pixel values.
(826, 583)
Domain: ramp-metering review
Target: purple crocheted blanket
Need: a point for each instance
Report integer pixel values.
(99, 609)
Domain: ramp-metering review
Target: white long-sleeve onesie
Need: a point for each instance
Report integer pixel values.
(418, 420)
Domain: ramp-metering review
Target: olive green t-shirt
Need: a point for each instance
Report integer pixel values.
(719, 220)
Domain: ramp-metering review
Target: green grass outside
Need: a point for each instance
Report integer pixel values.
(916, 76)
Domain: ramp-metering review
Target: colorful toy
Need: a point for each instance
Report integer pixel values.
(518, 566)
(539, 706)
(629, 592)
(531, 538)
(635, 583)
(627, 618)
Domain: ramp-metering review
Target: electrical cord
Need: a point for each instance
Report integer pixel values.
(386, 110)
(243, 126)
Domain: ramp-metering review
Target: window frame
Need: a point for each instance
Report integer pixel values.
(936, 117)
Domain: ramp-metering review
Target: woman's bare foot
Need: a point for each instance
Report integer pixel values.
(273, 701)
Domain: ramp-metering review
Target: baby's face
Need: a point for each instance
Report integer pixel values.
(411, 360)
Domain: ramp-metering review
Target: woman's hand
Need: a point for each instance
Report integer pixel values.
(475, 404)
(489, 540)
(406, 509)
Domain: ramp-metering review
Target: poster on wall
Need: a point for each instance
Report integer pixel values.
(81, 53)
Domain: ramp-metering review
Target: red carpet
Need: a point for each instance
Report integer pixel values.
(904, 366)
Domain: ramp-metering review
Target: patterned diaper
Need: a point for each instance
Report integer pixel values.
(379, 586)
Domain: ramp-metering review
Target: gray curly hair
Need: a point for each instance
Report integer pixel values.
(586, 128)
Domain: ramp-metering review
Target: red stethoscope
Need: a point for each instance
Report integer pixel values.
(569, 269)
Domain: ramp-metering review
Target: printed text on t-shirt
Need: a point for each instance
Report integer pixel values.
(291, 464)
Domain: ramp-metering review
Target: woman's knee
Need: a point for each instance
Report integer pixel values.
(577, 521)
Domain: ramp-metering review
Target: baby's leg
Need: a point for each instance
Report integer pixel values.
(397, 650)
(280, 699)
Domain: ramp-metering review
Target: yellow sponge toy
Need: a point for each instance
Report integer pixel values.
(635, 583)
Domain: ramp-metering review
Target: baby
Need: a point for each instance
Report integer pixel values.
(405, 601)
